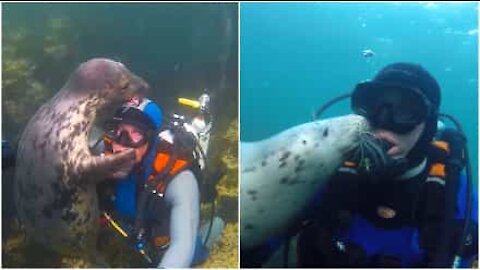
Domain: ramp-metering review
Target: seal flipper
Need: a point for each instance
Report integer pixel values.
(116, 165)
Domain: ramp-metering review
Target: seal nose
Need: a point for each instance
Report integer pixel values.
(145, 86)
(137, 87)
(361, 123)
(140, 85)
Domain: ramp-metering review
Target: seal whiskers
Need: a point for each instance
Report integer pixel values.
(368, 147)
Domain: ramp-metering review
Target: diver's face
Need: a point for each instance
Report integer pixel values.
(135, 135)
(402, 144)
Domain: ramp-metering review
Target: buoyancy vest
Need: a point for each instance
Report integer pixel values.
(155, 172)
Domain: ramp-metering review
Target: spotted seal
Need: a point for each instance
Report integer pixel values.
(56, 174)
(280, 174)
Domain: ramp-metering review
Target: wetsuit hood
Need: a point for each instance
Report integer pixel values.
(409, 75)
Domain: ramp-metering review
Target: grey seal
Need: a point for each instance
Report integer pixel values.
(280, 174)
(56, 174)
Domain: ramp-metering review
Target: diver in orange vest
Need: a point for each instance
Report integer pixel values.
(156, 205)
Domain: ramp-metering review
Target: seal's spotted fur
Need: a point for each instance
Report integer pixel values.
(280, 174)
(56, 175)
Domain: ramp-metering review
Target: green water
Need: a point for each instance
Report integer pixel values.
(181, 50)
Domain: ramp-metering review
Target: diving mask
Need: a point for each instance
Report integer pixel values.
(130, 138)
(390, 106)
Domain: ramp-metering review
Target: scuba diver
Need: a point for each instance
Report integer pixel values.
(156, 205)
(401, 199)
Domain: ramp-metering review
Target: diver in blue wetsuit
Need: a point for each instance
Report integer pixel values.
(409, 211)
(156, 203)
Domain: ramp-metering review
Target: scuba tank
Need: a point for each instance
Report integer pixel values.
(200, 126)
(194, 133)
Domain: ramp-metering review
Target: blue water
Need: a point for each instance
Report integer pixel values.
(296, 56)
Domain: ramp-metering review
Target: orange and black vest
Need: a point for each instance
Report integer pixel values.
(157, 169)
(418, 202)
(165, 167)
(426, 188)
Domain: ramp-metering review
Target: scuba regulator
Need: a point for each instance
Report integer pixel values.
(199, 126)
(371, 159)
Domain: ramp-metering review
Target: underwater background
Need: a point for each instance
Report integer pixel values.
(181, 50)
(294, 57)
